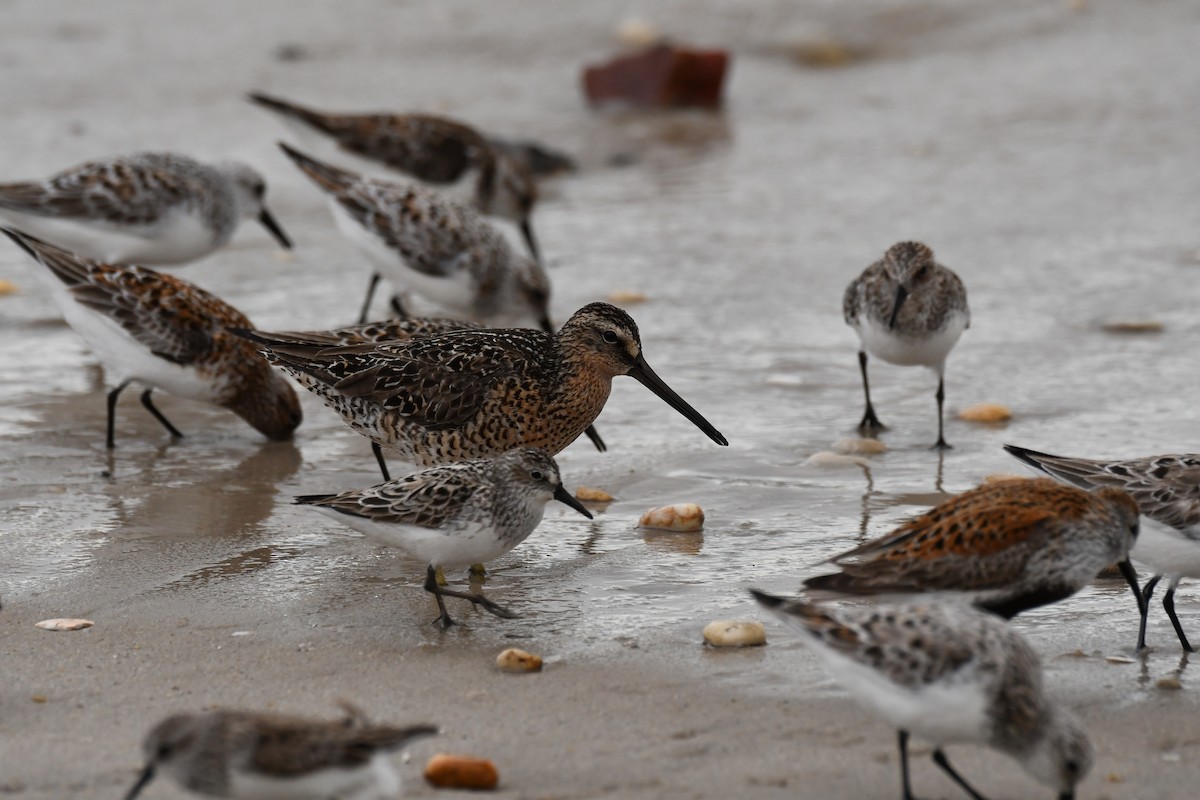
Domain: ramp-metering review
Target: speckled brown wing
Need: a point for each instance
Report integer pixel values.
(428, 499)
(853, 298)
(120, 192)
(395, 330)
(431, 149)
(295, 747)
(175, 320)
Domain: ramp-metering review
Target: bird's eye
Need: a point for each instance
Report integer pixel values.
(610, 337)
(536, 475)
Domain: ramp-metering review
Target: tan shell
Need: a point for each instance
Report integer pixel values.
(64, 624)
(677, 517)
(587, 494)
(7, 287)
(448, 771)
(735, 633)
(997, 477)
(514, 660)
(859, 447)
(985, 412)
(1133, 326)
(627, 297)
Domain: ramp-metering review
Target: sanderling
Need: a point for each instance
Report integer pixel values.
(455, 515)
(148, 208)
(909, 310)
(434, 150)
(442, 250)
(949, 674)
(475, 393)
(1007, 546)
(1167, 490)
(166, 333)
(247, 755)
(396, 330)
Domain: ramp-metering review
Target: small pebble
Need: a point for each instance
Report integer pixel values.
(637, 32)
(39, 698)
(514, 660)
(997, 477)
(7, 287)
(64, 624)
(586, 494)
(678, 517)
(626, 297)
(1168, 684)
(823, 53)
(1114, 777)
(734, 633)
(859, 447)
(831, 460)
(985, 412)
(448, 771)
(1133, 326)
(1119, 660)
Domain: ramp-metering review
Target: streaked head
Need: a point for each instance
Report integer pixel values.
(1062, 757)
(535, 474)
(268, 402)
(169, 744)
(250, 193)
(908, 264)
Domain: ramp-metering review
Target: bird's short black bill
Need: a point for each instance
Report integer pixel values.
(146, 776)
(563, 496)
(272, 225)
(901, 296)
(644, 375)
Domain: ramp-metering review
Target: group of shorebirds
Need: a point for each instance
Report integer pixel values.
(484, 409)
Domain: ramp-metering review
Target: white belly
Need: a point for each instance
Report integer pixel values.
(927, 351)
(376, 781)
(177, 238)
(1166, 550)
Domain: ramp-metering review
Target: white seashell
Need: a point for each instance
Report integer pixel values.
(734, 633)
(64, 624)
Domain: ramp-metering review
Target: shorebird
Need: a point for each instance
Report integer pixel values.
(148, 208)
(435, 150)
(475, 393)
(438, 248)
(396, 330)
(248, 755)
(455, 515)
(1006, 546)
(948, 674)
(165, 333)
(1167, 490)
(909, 310)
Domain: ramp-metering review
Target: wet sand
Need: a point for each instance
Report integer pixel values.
(1047, 154)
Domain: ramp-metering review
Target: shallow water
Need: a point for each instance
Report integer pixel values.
(1045, 155)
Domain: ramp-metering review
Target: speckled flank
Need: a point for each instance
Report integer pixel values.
(174, 322)
(1011, 544)
(934, 292)
(442, 249)
(472, 393)
(218, 753)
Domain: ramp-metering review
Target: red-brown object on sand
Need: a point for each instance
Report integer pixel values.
(662, 76)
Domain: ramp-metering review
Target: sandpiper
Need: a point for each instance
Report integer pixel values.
(455, 515)
(909, 310)
(148, 208)
(475, 393)
(1007, 546)
(395, 330)
(248, 755)
(442, 250)
(165, 333)
(1167, 490)
(949, 674)
(432, 149)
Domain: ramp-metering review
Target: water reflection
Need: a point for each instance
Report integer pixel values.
(688, 544)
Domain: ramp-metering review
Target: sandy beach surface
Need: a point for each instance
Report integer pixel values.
(1047, 151)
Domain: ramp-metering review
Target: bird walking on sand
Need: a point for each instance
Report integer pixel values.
(165, 333)
(1167, 490)
(431, 149)
(475, 393)
(908, 310)
(147, 208)
(248, 755)
(455, 515)
(396, 330)
(949, 674)
(1006, 546)
(442, 250)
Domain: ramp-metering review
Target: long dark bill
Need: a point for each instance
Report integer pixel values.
(901, 296)
(644, 375)
(146, 776)
(530, 241)
(272, 225)
(565, 497)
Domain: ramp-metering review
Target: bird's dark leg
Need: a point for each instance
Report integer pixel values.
(431, 585)
(870, 423)
(940, 759)
(366, 306)
(1144, 610)
(941, 402)
(112, 413)
(1143, 603)
(378, 451)
(158, 415)
(1169, 605)
(902, 736)
(595, 437)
